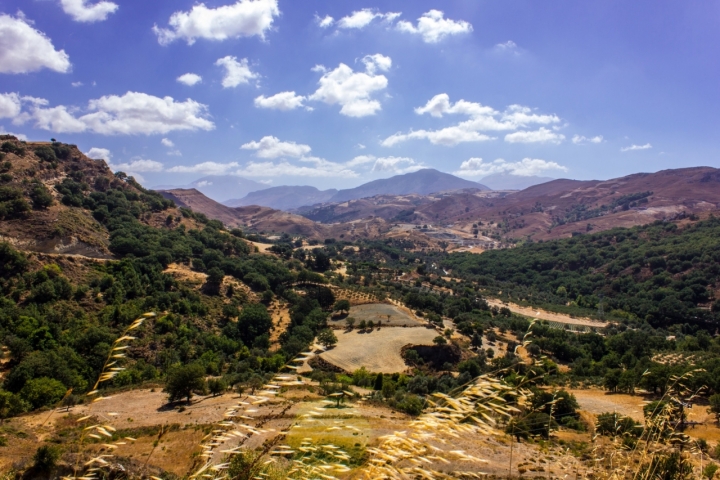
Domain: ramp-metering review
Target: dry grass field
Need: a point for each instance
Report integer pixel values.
(377, 350)
(382, 313)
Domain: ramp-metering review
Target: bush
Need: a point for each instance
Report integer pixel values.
(411, 404)
(40, 196)
(46, 458)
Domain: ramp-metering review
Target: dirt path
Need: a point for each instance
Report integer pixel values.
(545, 315)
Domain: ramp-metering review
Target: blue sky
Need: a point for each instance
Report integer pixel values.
(334, 94)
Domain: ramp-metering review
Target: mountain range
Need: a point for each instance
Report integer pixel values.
(238, 192)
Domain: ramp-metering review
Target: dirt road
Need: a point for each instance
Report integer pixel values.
(545, 315)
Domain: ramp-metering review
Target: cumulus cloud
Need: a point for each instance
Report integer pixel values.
(633, 147)
(272, 147)
(189, 79)
(24, 49)
(280, 101)
(77, 84)
(582, 140)
(236, 73)
(129, 114)
(207, 168)
(167, 142)
(139, 165)
(352, 89)
(433, 26)
(482, 119)
(9, 105)
(245, 18)
(99, 153)
(82, 11)
(362, 18)
(542, 135)
(527, 167)
(324, 22)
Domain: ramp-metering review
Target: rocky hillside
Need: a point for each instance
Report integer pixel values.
(54, 199)
(284, 197)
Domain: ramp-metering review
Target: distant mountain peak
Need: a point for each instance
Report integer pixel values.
(421, 182)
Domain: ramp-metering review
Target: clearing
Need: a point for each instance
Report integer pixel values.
(377, 350)
(388, 315)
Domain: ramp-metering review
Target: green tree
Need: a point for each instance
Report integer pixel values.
(216, 386)
(378, 382)
(439, 340)
(327, 338)
(342, 306)
(11, 405)
(254, 320)
(710, 470)
(614, 424)
(183, 380)
(715, 406)
(350, 322)
(43, 391)
(214, 281)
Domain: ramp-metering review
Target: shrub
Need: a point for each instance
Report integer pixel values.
(183, 380)
(327, 338)
(43, 391)
(46, 458)
(40, 196)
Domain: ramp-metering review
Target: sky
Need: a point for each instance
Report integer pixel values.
(334, 94)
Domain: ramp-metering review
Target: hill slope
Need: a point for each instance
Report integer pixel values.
(422, 182)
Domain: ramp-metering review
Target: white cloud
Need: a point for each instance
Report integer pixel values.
(396, 165)
(77, 84)
(272, 147)
(24, 49)
(207, 168)
(360, 146)
(320, 168)
(204, 183)
(9, 105)
(139, 165)
(56, 119)
(507, 47)
(362, 18)
(129, 114)
(189, 79)
(361, 160)
(80, 11)
(319, 69)
(352, 89)
(582, 140)
(324, 22)
(167, 142)
(245, 18)
(433, 27)
(102, 153)
(543, 135)
(280, 101)
(476, 167)
(448, 137)
(482, 119)
(377, 62)
(647, 146)
(236, 72)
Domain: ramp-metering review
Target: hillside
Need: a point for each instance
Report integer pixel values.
(284, 197)
(422, 182)
(506, 181)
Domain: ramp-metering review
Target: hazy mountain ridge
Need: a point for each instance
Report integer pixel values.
(285, 197)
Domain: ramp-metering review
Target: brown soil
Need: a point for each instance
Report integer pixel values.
(545, 315)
